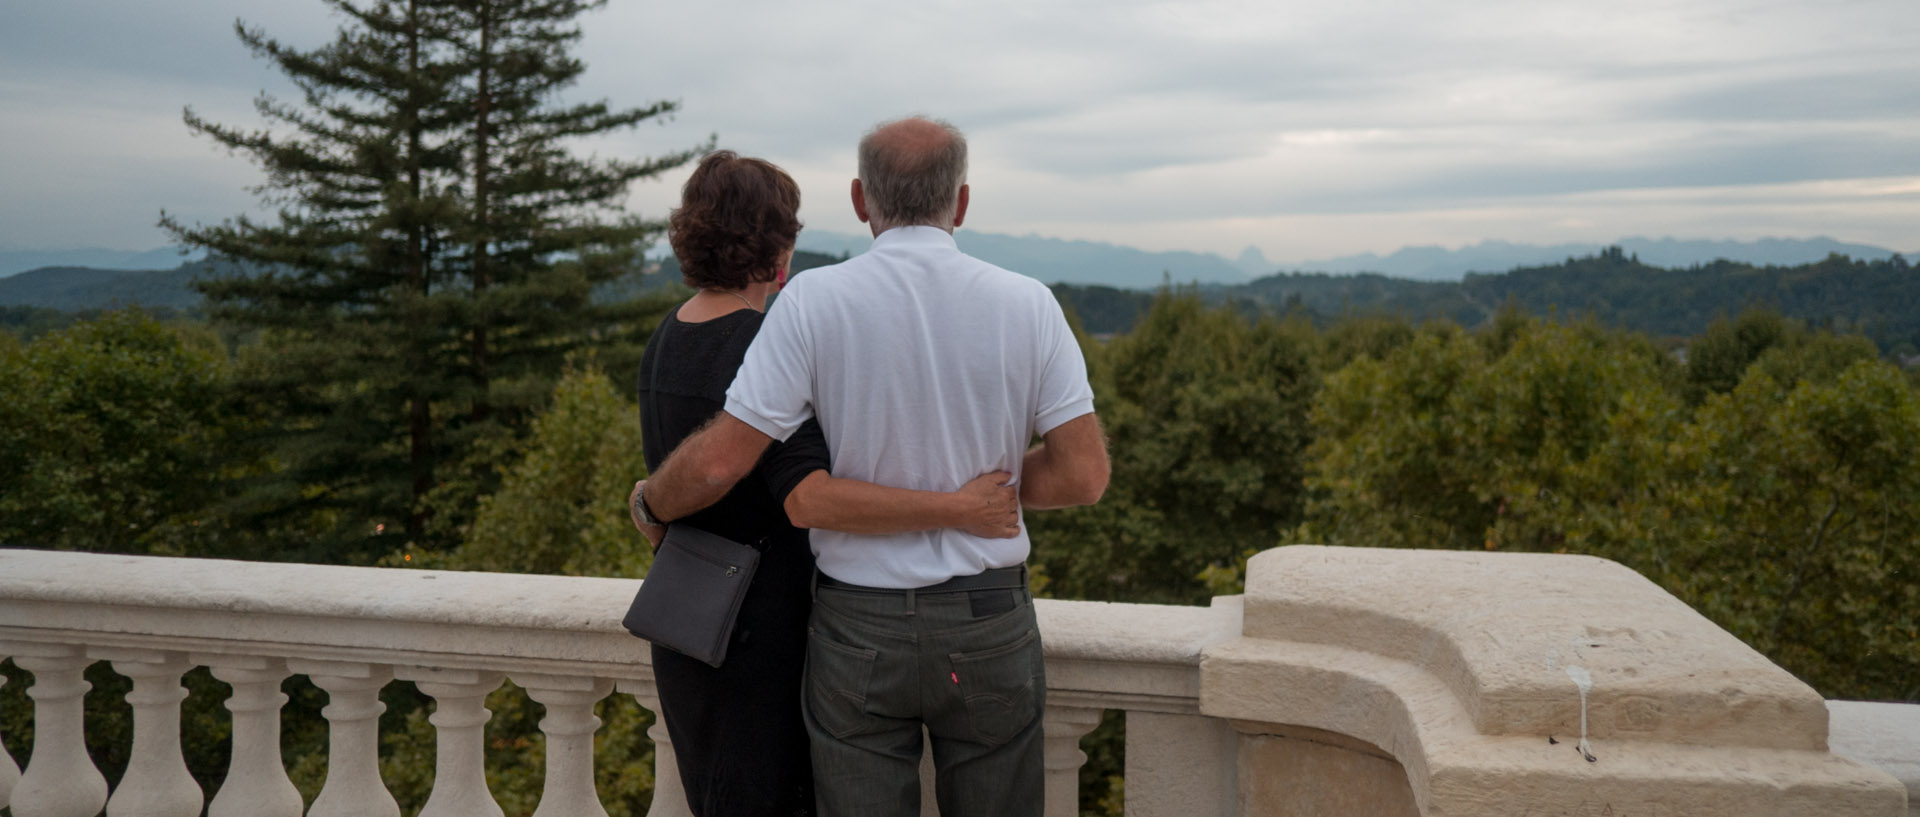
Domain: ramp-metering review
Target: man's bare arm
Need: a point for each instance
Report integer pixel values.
(704, 467)
(985, 506)
(1069, 467)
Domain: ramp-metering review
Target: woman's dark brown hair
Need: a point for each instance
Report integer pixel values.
(736, 216)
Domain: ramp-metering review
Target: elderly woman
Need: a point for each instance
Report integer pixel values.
(737, 729)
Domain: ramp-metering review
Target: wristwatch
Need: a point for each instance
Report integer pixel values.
(640, 508)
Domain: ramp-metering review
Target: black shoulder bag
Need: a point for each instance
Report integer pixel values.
(692, 594)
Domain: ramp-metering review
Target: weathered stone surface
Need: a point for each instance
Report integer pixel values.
(1180, 765)
(1886, 736)
(1309, 773)
(1457, 665)
(447, 619)
(1502, 629)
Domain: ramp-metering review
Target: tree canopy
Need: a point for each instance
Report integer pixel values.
(433, 258)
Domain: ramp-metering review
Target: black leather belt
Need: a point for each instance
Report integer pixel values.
(999, 578)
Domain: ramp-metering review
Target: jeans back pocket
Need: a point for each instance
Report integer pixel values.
(998, 687)
(837, 678)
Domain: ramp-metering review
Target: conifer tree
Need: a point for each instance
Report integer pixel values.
(433, 256)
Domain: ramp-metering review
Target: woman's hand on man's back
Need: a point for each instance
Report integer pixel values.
(990, 507)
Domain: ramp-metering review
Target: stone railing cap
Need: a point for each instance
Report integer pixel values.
(1509, 633)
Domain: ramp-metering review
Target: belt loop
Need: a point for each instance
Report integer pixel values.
(910, 601)
(813, 585)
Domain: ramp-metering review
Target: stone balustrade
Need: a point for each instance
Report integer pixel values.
(1346, 681)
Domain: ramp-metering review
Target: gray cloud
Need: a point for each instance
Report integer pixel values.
(1174, 118)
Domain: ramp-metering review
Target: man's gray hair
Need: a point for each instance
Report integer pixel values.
(910, 184)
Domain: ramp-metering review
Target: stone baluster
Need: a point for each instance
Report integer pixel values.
(669, 795)
(1063, 727)
(9, 770)
(353, 787)
(257, 784)
(60, 779)
(569, 725)
(157, 783)
(459, 721)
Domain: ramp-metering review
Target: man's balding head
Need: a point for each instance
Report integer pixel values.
(911, 173)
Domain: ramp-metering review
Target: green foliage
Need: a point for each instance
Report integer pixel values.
(1787, 513)
(1104, 310)
(1778, 509)
(561, 506)
(1205, 414)
(111, 437)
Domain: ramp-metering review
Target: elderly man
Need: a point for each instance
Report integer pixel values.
(926, 368)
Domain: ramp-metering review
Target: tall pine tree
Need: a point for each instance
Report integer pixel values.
(433, 260)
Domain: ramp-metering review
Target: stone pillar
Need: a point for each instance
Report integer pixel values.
(9, 770)
(60, 779)
(459, 725)
(1063, 727)
(1180, 765)
(157, 783)
(569, 726)
(669, 796)
(353, 787)
(257, 783)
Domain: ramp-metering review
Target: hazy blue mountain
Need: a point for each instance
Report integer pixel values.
(13, 262)
(1056, 260)
(1433, 263)
(77, 288)
(1090, 263)
(1254, 263)
(1779, 252)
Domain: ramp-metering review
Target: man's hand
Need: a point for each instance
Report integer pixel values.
(990, 508)
(654, 533)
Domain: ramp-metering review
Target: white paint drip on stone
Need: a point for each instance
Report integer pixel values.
(1583, 680)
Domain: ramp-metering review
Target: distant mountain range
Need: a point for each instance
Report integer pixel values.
(1878, 296)
(89, 278)
(71, 289)
(1055, 260)
(1432, 263)
(13, 262)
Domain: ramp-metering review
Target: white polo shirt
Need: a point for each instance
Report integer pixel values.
(927, 368)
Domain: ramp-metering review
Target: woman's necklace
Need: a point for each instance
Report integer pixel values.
(736, 294)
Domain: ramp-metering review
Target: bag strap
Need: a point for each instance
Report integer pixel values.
(653, 391)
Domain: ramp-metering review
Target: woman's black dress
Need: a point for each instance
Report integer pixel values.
(736, 730)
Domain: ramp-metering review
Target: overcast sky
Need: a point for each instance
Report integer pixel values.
(1305, 129)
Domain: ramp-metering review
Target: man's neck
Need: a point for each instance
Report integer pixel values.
(877, 229)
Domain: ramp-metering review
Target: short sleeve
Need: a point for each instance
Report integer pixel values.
(1064, 392)
(773, 391)
(787, 463)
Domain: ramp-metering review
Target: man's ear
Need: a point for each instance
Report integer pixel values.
(859, 201)
(960, 209)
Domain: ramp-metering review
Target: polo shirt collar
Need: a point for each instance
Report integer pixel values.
(915, 237)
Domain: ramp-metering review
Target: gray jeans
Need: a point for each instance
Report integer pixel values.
(966, 664)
